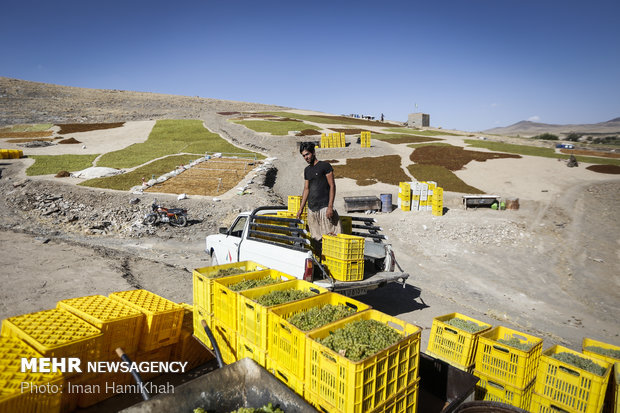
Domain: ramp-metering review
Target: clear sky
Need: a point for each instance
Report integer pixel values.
(471, 64)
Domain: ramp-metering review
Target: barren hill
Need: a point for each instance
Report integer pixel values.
(527, 128)
(23, 101)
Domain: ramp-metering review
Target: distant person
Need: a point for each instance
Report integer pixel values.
(319, 193)
(382, 117)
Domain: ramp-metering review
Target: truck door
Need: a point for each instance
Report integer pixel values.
(230, 244)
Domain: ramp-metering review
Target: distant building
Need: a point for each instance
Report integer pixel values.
(418, 120)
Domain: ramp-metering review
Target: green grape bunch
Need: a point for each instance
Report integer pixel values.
(361, 339)
(607, 352)
(580, 362)
(516, 343)
(225, 272)
(316, 317)
(253, 283)
(465, 325)
(282, 296)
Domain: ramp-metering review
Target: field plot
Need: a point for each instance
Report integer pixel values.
(212, 177)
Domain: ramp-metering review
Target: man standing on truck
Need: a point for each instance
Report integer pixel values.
(319, 192)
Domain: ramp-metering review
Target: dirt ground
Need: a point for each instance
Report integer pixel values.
(549, 269)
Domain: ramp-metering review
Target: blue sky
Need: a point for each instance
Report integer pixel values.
(471, 64)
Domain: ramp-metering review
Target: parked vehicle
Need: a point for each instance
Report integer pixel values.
(254, 237)
(174, 216)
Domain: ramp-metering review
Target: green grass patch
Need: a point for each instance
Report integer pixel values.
(536, 151)
(170, 137)
(52, 164)
(332, 120)
(444, 177)
(397, 138)
(274, 127)
(37, 127)
(420, 132)
(126, 181)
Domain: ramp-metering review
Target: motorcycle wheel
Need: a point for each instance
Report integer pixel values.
(150, 219)
(179, 221)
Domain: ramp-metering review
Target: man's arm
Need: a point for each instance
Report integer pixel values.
(332, 194)
(304, 198)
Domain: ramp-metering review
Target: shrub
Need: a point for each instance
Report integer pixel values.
(573, 137)
(547, 137)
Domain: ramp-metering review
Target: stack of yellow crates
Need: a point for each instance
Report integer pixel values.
(564, 386)
(506, 363)
(437, 203)
(365, 139)
(161, 329)
(11, 153)
(294, 202)
(18, 392)
(333, 140)
(121, 326)
(610, 354)
(404, 196)
(343, 256)
(386, 381)
(57, 333)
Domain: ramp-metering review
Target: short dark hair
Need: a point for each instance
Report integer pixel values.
(306, 146)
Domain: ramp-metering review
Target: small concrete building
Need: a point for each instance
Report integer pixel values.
(418, 120)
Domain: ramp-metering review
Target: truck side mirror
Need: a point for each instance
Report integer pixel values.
(223, 230)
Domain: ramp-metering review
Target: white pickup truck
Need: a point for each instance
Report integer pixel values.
(278, 243)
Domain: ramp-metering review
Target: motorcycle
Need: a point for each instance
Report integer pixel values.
(174, 216)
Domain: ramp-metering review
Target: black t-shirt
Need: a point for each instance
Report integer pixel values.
(318, 196)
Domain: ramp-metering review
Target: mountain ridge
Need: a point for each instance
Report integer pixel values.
(529, 128)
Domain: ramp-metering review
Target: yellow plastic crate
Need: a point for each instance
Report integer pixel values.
(252, 318)
(120, 324)
(163, 317)
(343, 247)
(159, 354)
(403, 402)
(4, 154)
(347, 224)
(454, 345)
(504, 363)
(294, 383)
(200, 314)
(286, 343)
(496, 391)
(246, 349)
(333, 380)
(588, 342)
(225, 299)
(188, 348)
(570, 387)
(203, 281)
(57, 333)
(226, 340)
(12, 397)
(294, 202)
(344, 270)
(542, 404)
